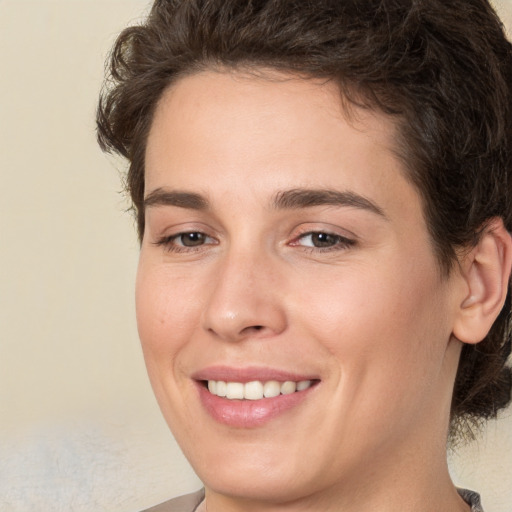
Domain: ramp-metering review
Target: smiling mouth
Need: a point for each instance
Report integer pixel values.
(256, 390)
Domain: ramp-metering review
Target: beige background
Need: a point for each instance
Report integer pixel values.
(79, 428)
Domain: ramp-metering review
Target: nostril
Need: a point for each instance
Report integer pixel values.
(253, 328)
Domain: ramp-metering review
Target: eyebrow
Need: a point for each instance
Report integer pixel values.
(307, 198)
(292, 199)
(163, 197)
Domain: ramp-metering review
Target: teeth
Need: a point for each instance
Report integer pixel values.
(221, 388)
(303, 384)
(255, 390)
(234, 390)
(288, 387)
(271, 388)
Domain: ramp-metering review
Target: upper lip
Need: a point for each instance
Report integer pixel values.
(249, 374)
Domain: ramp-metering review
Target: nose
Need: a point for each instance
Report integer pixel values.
(246, 299)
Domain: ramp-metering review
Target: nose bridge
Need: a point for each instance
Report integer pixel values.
(245, 299)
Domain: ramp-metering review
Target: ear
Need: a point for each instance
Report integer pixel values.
(486, 272)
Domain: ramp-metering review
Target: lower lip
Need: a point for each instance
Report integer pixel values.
(249, 413)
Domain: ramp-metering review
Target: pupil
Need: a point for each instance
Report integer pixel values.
(323, 239)
(192, 239)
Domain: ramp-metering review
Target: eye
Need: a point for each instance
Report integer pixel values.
(192, 239)
(188, 240)
(323, 240)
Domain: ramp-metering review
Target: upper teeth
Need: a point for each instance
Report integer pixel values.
(255, 390)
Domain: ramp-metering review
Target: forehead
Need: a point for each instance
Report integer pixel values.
(210, 95)
(274, 131)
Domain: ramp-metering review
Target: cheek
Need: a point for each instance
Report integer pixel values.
(387, 335)
(167, 310)
(384, 325)
(167, 313)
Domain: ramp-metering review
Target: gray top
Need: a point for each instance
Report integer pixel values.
(190, 502)
(186, 503)
(471, 498)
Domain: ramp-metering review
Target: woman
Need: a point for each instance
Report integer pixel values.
(323, 292)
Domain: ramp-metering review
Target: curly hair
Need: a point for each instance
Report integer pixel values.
(440, 69)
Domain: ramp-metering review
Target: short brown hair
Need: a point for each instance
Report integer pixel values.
(442, 70)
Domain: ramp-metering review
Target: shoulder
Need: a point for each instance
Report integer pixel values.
(186, 503)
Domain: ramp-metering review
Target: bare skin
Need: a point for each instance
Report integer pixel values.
(344, 289)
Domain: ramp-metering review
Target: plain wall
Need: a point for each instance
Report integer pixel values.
(79, 427)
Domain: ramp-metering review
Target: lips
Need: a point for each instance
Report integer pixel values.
(250, 397)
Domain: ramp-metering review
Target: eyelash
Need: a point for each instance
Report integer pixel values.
(168, 242)
(340, 242)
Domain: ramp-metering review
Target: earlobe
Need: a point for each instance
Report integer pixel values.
(486, 271)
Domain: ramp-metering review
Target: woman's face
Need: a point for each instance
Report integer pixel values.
(284, 244)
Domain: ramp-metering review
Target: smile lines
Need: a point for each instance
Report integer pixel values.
(256, 390)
